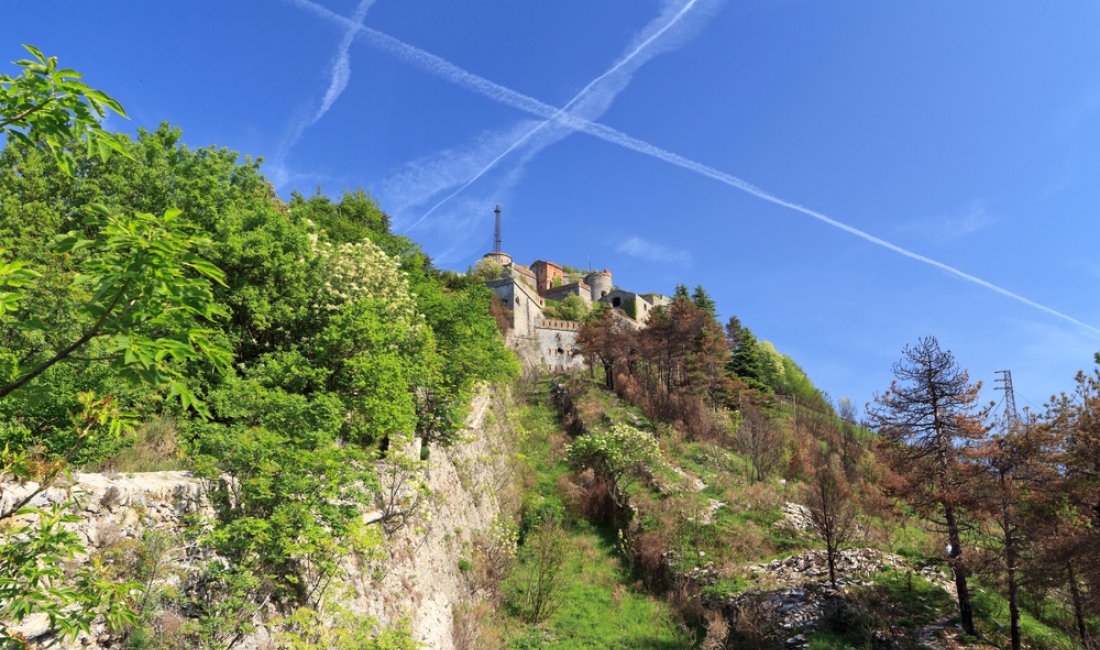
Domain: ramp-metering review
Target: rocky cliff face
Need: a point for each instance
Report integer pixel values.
(414, 580)
(115, 512)
(421, 579)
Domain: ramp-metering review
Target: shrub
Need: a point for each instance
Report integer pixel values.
(621, 452)
(539, 578)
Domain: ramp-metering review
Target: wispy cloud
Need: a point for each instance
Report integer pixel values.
(653, 252)
(954, 224)
(969, 220)
(1089, 268)
(448, 71)
(407, 187)
(339, 74)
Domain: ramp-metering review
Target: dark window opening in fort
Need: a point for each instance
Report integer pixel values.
(615, 302)
(603, 293)
(561, 351)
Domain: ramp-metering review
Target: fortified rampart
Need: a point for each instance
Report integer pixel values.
(557, 342)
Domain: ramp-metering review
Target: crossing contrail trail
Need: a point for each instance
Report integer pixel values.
(339, 76)
(541, 125)
(341, 65)
(448, 71)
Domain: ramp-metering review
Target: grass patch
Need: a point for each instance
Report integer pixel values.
(830, 640)
(727, 587)
(598, 606)
(991, 614)
(155, 447)
(599, 609)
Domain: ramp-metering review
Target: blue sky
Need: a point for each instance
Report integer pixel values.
(967, 133)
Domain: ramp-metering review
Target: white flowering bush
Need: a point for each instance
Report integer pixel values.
(622, 451)
(350, 273)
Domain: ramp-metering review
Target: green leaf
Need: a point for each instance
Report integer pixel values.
(99, 209)
(71, 241)
(35, 51)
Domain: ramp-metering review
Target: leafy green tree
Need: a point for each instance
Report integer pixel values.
(292, 507)
(376, 367)
(148, 295)
(572, 308)
(355, 218)
(619, 454)
(47, 104)
(747, 361)
(134, 295)
(486, 270)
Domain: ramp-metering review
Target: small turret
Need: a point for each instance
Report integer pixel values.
(599, 282)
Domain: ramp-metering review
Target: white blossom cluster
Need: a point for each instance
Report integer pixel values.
(363, 271)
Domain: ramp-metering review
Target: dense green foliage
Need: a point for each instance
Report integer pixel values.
(759, 365)
(295, 346)
(572, 307)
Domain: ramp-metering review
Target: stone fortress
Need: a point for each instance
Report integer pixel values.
(525, 290)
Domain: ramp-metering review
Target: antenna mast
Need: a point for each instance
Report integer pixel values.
(1005, 381)
(496, 233)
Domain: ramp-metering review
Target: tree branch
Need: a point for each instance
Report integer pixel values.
(30, 111)
(68, 349)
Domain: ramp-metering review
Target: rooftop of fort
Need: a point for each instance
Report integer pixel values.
(546, 283)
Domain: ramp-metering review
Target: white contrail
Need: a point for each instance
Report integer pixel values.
(541, 125)
(341, 66)
(448, 71)
(339, 76)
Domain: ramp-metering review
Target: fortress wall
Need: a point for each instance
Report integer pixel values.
(525, 304)
(557, 342)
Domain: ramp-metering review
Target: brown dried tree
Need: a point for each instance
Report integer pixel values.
(1014, 472)
(1070, 536)
(606, 339)
(828, 496)
(829, 492)
(758, 438)
(927, 418)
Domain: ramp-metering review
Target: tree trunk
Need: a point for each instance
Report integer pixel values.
(1013, 589)
(1078, 607)
(1010, 562)
(966, 613)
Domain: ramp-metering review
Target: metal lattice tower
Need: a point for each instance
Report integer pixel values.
(1005, 381)
(496, 233)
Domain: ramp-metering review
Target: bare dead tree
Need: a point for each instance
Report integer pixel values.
(759, 439)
